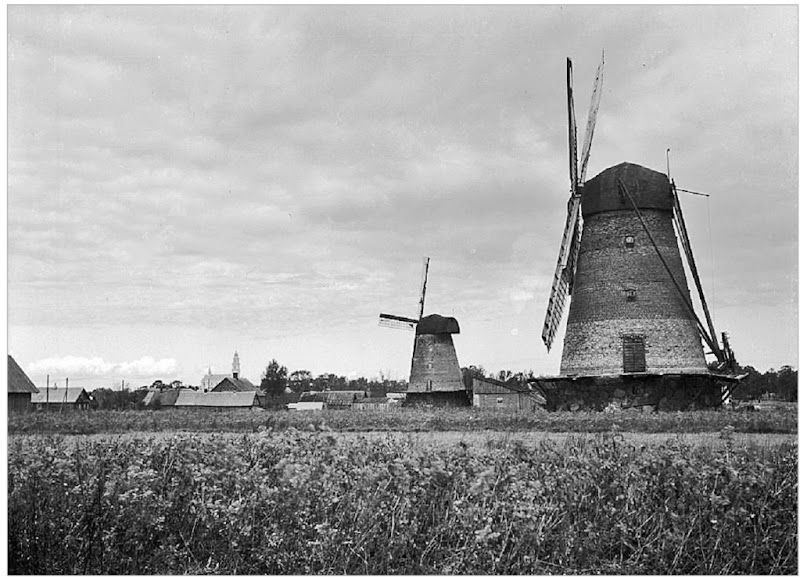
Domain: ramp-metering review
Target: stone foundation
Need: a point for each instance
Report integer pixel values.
(647, 392)
(458, 398)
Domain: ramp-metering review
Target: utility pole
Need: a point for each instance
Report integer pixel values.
(47, 394)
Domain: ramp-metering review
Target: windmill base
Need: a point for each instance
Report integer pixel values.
(646, 392)
(439, 399)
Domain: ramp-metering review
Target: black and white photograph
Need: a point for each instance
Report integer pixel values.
(401, 289)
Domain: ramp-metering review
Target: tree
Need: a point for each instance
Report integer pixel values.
(273, 380)
(300, 380)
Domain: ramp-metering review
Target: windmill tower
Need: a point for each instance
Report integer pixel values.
(631, 326)
(435, 373)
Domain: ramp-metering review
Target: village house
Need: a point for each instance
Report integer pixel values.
(334, 399)
(62, 399)
(20, 388)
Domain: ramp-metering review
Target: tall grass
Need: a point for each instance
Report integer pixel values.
(311, 503)
(777, 420)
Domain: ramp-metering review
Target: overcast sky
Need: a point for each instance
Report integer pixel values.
(185, 181)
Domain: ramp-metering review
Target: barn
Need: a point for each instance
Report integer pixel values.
(334, 399)
(490, 393)
(62, 399)
(216, 400)
(20, 388)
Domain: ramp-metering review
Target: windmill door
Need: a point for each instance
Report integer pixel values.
(633, 354)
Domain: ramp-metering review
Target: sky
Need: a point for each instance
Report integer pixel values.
(189, 181)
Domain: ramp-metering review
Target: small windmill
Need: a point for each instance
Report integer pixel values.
(620, 260)
(435, 373)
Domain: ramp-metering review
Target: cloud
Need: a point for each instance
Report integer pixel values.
(276, 169)
(76, 366)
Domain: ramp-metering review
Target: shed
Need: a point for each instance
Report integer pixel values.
(62, 399)
(20, 388)
(193, 399)
(490, 393)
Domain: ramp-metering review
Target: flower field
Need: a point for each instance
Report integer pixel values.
(295, 501)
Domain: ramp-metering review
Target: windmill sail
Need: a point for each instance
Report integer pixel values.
(573, 136)
(424, 286)
(401, 322)
(565, 267)
(591, 120)
(571, 238)
(390, 321)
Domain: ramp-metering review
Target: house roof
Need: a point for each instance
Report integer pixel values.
(211, 380)
(58, 396)
(333, 396)
(166, 397)
(231, 384)
(216, 399)
(481, 385)
(18, 381)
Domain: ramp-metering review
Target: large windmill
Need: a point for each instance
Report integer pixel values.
(435, 374)
(631, 324)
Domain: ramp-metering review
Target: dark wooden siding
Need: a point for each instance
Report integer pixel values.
(19, 402)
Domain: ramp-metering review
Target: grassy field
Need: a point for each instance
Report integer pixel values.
(293, 501)
(775, 419)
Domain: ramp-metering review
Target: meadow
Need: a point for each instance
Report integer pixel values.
(280, 501)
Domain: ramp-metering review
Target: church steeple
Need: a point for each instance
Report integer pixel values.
(236, 365)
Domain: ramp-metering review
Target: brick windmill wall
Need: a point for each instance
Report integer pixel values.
(626, 314)
(435, 373)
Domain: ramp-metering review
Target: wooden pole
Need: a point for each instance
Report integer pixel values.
(687, 302)
(693, 267)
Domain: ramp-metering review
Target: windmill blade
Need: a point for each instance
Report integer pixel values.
(592, 119)
(424, 286)
(390, 321)
(572, 260)
(573, 137)
(565, 269)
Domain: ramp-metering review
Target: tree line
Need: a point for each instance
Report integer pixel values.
(775, 384)
(277, 383)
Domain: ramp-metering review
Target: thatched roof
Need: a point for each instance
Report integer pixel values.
(231, 384)
(216, 399)
(59, 396)
(436, 324)
(18, 381)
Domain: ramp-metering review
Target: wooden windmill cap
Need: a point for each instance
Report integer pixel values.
(649, 189)
(436, 324)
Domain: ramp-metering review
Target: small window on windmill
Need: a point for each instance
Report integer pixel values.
(630, 294)
(633, 354)
(630, 241)
(430, 365)
(430, 385)
(499, 401)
